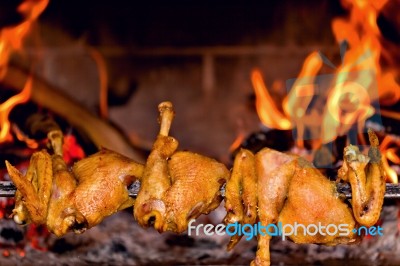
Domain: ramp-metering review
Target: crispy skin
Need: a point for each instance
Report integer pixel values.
(102, 185)
(273, 185)
(196, 182)
(313, 199)
(178, 190)
(291, 191)
(50, 194)
(176, 186)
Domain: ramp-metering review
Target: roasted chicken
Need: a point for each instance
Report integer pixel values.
(268, 187)
(76, 200)
(176, 186)
(289, 190)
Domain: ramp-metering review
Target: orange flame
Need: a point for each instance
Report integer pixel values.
(266, 107)
(299, 98)
(237, 142)
(362, 33)
(392, 156)
(389, 154)
(11, 37)
(31, 143)
(348, 104)
(7, 106)
(354, 88)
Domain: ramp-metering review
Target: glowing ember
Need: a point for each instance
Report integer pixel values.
(6, 253)
(36, 235)
(72, 150)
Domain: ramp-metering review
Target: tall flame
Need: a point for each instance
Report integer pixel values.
(7, 106)
(299, 98)
(362, 33)
(357, 84)
(389, 154)
(266, 107)
(11, 39)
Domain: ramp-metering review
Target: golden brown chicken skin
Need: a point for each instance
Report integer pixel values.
(176, 186)
(291, 191)
(63, 200)
(241, 193)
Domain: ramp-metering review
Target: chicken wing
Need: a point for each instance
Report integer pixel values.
(241, 193)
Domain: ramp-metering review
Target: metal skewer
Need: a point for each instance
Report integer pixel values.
(7, 189)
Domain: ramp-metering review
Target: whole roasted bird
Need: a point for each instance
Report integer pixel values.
(77, 199)
(176, 186)
(271, 187)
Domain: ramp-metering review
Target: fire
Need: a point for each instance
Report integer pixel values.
(7, 106)
(72, 150)
(299, 98)
(237, 142)
(21, 136)
(266, 107)
(350, 95)
(348, 104)
(363, 34)
(11, 38)
(389, 155)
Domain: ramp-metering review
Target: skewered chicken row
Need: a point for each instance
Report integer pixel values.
(267, 187)
(175, 186)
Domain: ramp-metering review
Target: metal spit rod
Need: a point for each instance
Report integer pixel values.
(7, 189)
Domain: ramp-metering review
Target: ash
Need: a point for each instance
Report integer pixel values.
(118, 240)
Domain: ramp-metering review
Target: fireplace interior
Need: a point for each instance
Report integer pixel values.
(115, 61)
